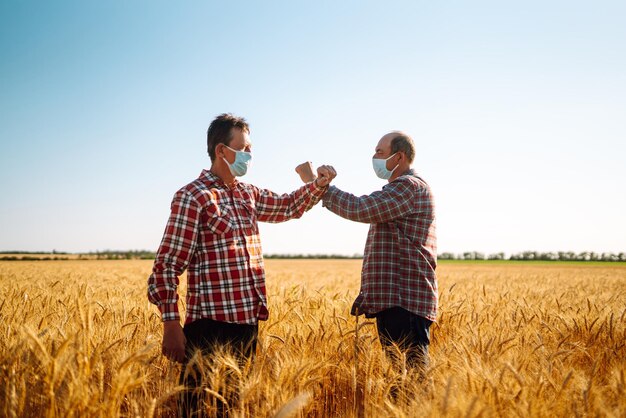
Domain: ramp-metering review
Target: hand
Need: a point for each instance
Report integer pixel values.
(325, 174)
(173, 341)
(305, 170)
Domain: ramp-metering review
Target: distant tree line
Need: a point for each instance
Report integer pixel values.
(33, 255)
(149, 255)
(33, 252)
(28, 257)
(468, 255)
(118, 255)
(314, 256)
(536, 255)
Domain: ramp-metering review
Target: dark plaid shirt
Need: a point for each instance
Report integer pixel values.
(212, 232)
(401, 249)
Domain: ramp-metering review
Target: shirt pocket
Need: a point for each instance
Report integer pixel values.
(249, 220)
(220, 219)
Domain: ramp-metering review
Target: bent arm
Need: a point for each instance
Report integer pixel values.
(176, 249)
(272, 207)
(396, 200)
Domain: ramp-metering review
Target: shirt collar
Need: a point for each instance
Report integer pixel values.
(212, 178)
(410, 171)
(206, 173)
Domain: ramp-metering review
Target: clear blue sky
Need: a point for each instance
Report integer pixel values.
(518, 110)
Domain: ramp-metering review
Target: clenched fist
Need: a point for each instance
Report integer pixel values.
(305, 170)
(325, 174)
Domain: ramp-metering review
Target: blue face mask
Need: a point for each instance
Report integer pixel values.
(242, 161)
(380, 167)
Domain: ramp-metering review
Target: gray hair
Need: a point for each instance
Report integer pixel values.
(403, 142)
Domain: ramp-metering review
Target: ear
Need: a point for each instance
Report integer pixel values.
(219, 151)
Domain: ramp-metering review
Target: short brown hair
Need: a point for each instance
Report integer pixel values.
(403, 142)
(220, 131)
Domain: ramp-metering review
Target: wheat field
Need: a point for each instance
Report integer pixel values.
(79, 339)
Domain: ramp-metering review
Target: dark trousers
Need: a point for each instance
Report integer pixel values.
(411, 334)
(211, 337)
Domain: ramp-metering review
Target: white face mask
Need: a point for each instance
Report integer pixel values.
(380, 167)
(242, 161)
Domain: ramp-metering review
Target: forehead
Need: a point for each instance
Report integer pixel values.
(384, 144)
(239, 137)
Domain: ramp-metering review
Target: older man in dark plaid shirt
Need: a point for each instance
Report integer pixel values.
(398, 281)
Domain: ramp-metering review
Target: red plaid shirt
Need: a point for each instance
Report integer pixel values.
(212, 232)
(401, 249)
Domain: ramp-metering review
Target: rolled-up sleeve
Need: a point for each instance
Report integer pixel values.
(177, 246)
(272, 207)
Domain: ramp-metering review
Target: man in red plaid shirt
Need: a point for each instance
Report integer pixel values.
(212, 232)
(398, 281)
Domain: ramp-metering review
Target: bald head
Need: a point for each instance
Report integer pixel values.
(398, 141)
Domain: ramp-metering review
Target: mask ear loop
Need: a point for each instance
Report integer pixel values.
(397, 165)
(224, 157)
(224, 154)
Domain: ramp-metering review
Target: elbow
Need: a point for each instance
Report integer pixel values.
(356, 217)
(361, 216)
(151, 294)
